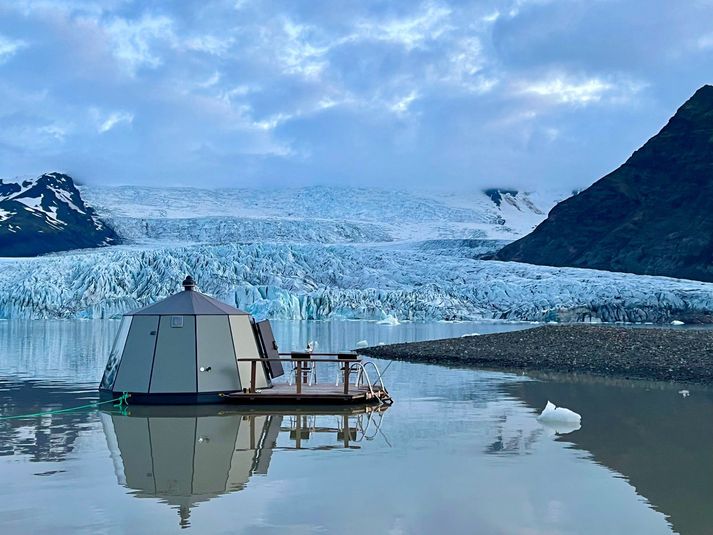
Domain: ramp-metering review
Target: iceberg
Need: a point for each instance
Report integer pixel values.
(559, 415)
(559, 419)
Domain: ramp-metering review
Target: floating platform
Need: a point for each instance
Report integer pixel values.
(316, 394)
(192, 349)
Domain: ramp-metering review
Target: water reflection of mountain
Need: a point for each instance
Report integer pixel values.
(50, 437)
(653, 437)
(187, 455)
(44, 366)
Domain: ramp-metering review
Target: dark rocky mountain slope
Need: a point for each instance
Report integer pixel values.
(653, 215)
(48, 214)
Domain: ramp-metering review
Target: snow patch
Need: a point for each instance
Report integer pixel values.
(36, 204)
(63, 196)
(32, 202)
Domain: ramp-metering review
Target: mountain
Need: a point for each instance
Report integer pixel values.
(653, 215)
(48, 214)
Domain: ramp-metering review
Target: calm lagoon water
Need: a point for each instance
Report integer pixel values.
(459, 452)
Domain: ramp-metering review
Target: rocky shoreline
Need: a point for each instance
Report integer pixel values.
(661, 354)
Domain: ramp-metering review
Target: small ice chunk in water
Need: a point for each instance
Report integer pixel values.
(684, 393)
(362, 343)
(677, 322)
(389, 320)
(553, 413)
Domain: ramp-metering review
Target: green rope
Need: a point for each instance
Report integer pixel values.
(122, 402)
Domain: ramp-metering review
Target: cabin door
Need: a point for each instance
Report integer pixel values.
(269, 348)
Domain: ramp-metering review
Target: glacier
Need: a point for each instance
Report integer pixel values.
(341, 281)
(228, 229)
(139, 213)
(333, 253)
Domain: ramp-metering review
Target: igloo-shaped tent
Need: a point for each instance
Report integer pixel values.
(185, 349)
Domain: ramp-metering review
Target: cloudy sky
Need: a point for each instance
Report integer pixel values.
(462, 95)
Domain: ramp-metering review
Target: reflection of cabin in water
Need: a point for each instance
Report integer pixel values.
(187, 460)
(190, 348)
(188, 455)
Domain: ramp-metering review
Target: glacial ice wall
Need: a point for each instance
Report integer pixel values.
(339, 281)
(227, 229)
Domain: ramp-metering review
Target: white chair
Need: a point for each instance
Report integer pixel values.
(309, 369)
(347, 358)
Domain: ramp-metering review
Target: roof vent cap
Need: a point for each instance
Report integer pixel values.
(189, 284)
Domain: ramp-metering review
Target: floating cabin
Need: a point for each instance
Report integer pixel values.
(190, 348)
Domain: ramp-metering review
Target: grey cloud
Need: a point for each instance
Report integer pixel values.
(526, 93)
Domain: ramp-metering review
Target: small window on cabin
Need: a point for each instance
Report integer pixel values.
(177, 321)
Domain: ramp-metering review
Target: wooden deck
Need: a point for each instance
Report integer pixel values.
(317, 394)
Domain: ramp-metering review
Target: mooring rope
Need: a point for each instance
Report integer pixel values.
(121, 402)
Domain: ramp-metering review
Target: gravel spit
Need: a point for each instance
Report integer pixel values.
(681, 355)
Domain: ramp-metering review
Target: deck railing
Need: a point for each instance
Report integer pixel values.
(348, 366)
